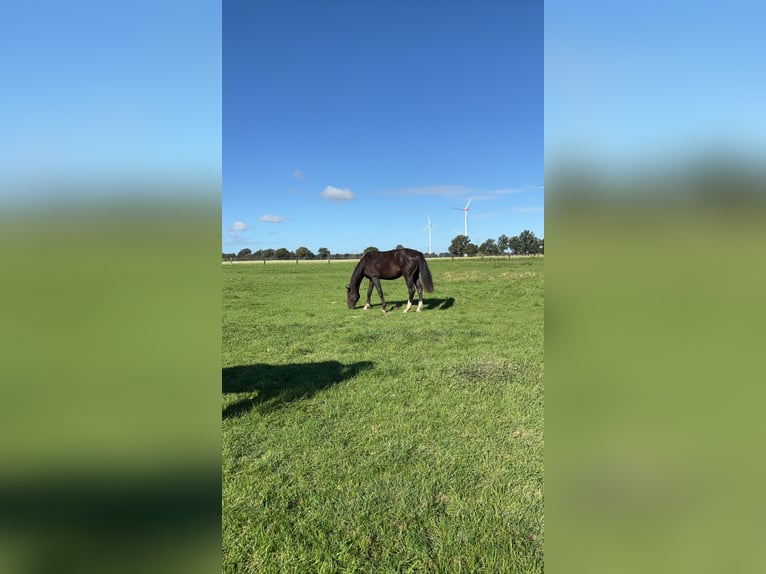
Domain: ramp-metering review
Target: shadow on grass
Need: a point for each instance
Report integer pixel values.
(81, 518)
(278, 385)
(428, 304)
(440, 304)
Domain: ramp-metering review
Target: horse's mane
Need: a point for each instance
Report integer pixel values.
(358, 275)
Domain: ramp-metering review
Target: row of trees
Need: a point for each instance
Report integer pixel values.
(281, 253)
(523, 244)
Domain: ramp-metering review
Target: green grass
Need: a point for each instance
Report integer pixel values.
(360, 442)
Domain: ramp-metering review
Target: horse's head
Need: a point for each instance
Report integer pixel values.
(351, 297)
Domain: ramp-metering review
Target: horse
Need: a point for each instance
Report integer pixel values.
(377, 265)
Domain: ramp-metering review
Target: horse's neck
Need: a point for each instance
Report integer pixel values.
(357, 276)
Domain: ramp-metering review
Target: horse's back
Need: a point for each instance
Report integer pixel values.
(391, 264)
(408, 260)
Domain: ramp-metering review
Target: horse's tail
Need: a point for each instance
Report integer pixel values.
(425, 274)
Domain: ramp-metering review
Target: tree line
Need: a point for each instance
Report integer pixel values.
(523, 244)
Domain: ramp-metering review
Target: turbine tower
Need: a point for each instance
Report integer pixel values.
(465, 212)
(428, 227)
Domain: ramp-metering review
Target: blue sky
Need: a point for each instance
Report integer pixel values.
(119, 92)
(637, 86)
(412, 106)
(346, 124)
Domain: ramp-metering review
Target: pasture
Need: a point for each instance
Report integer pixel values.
(355, 441)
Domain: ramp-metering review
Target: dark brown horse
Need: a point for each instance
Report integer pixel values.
(377, 265)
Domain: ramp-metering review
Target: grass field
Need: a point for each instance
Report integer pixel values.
(360, 442)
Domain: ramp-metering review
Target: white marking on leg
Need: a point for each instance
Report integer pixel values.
(420, 306)
(366, 307)
(407, 308)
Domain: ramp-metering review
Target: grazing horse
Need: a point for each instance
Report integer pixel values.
(377, 265)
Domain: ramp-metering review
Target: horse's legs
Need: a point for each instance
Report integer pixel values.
(411, 292)
(419, 285)
(369, 294)
(380, 292)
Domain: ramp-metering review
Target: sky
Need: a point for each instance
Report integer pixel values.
(413, 107)
(348, 124)
(641, 86)
(118, 92)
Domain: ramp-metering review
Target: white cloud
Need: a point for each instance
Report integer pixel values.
(298, 174)
(236, 228)
(336, 194)
(271, 218)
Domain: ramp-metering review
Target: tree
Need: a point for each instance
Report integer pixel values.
(323, 252)
(282, 253)
(368, 249)
(304, 253)
(515, 245)
(503, 243)
(459, 242)
(489, 247)
(399, 246)
(267, 253)
(244, 253)
(461, 245)
(525, 243)
(529, 243)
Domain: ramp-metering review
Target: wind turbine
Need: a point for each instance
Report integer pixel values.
(465, 212)
(429, 227)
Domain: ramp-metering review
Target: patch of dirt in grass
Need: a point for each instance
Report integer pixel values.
(464, 276)
(482, 369)
(518, 275)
